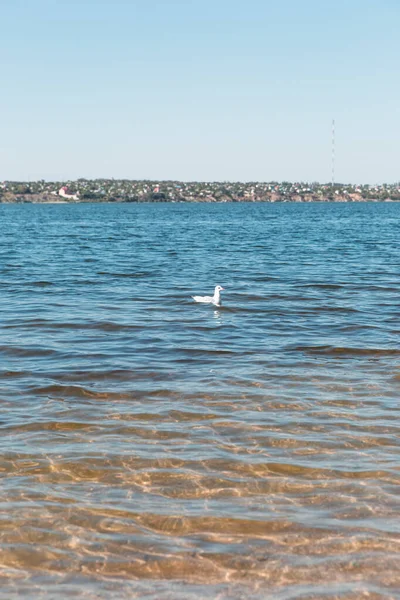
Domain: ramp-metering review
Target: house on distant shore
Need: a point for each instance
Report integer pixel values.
(64, 193)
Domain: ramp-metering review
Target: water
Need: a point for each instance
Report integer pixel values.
(156, 448)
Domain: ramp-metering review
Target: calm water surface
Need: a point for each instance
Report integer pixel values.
(152, 447)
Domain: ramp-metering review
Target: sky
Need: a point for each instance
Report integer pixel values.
(211, 90)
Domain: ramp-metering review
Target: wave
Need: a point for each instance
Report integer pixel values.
(135, 275)
(77, 391)
(22, 351)
(344, 351)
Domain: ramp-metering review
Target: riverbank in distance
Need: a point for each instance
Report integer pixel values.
(124, 190)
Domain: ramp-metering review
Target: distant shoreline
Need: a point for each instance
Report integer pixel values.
(136, 191)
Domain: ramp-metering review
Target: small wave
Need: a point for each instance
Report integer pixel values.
(339, 309)
(23, 351)
(78, 391)
(208, 352)
(315, 310)
(129, 275)
(40, 283)
(14, 374)
(47, 325)
(345, 351)
(35, 323)
(110, 326)
(322, 286)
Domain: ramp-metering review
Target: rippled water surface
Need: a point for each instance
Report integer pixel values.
(152, 447)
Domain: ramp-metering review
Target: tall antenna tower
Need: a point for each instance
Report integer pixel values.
(333, 152)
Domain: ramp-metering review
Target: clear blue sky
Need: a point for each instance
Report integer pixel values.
(200, 90)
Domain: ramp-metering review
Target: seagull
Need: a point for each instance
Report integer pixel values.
(216, 299)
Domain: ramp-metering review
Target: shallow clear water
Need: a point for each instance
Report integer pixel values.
(152, 447)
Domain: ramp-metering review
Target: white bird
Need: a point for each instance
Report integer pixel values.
(216, 299)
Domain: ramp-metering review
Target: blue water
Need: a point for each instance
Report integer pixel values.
(152, 447)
